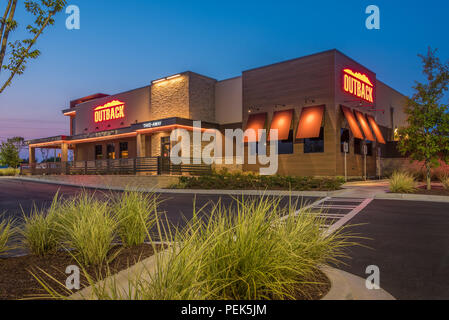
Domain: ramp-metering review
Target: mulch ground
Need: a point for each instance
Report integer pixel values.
(319, 286)
(437, 190)
(17, 282)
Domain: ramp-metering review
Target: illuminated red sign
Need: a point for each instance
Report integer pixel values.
(358, 85)
(109, 111)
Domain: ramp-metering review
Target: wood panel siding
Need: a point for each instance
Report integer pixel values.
(295, 84)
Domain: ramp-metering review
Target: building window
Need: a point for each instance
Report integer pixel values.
(358, 145)
(344, 138)
(111, 151)
(286, 146)
(369, 148)
(98, 152)
(315, 145)
(124, 154)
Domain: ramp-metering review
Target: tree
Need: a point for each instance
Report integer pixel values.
(9, 154)
(426, 139)
(19, 142)
(20, 51)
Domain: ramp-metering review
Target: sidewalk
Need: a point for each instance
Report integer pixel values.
(364, 189)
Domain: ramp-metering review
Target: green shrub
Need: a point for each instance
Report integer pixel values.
(7, 234)
(251, 181)
(255, 251)
(402, 182)
(87, 226)
(40, 234)
(136, 213)
(9, 172)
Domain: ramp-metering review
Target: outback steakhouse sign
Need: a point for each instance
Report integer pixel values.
(358, 85)
(110, 111)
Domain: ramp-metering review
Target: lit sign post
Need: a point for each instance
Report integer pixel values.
(110, 111)
(358, 85)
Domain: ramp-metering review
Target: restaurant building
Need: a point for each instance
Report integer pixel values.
(333, 115)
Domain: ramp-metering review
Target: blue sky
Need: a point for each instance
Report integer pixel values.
(125, 44)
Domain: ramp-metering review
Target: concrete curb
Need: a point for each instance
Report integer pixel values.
(191, 191)
(339, 193)
(346, 286)
(122, 281)
(411, 197)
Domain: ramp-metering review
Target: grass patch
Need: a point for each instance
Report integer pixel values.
(40, 229)
(7, 234)
(402, 182)
(87, 226)
(250, 181)
(256, 251)
(136, 213)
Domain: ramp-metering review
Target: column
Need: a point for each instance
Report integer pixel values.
(64, 152)
(32, 155)
(141, 146)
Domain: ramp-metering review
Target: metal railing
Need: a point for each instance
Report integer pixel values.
(153, 165)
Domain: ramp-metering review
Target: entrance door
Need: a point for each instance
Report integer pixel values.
(165, 155)
(165, 147)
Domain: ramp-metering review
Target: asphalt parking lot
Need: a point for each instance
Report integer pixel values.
(409, 243)
(18, 197)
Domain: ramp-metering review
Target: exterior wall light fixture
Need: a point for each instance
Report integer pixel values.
(166, 79)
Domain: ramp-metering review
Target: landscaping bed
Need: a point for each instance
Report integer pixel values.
(256, 250)
(16, 273)
(319, 286)
(405, 182)
(437, 190)
(248, 181)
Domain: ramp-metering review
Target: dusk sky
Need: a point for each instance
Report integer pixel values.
(125, 44)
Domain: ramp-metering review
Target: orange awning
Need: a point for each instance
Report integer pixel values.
(310, 122)
(352, 122)
(364, 124)
(282, 121)
(256, 122)
(376, 129)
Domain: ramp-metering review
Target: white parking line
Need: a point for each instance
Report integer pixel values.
(358, 200)
(337, 220)
(313, 205)
(331, 206)
(340, 223)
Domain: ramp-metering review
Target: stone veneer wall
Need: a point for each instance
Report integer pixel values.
(190, 96)
(170, 98)
(202, 97)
